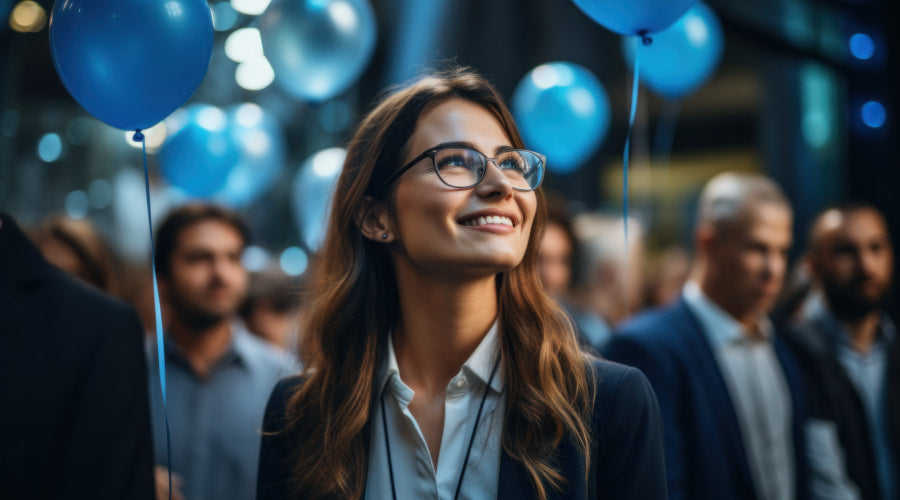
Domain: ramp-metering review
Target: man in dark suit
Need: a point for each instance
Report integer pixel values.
(728, 388)
(75, 421)
(848, 346)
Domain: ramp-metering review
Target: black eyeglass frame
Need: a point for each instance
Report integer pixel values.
(431, 153)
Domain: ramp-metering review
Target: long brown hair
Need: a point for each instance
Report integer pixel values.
(355, 305)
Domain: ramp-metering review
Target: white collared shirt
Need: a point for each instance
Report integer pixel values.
(759, 392)
(414, 474)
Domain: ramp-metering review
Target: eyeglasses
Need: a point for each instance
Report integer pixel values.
(462, 167)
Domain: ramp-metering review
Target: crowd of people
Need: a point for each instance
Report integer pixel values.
(461, 335)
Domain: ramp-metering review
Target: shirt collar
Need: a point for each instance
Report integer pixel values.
(480, 363)
(720, 327)
(238, 351)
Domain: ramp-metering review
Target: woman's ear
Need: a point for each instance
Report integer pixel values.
(374, 221)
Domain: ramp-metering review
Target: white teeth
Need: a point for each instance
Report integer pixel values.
(489, 219)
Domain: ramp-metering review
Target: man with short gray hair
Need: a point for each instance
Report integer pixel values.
(727, 385)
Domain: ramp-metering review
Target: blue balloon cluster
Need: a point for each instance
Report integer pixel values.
(312, 191)
(563, 112)
(198, 157)
(683, 56)
(261, 154)
(318, 48)
(634, 17)
(131, 63)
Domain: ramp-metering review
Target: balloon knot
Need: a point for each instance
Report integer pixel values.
(645, 38)
(138, 136)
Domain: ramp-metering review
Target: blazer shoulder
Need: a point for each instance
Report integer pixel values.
(616, 384)
(656, 325)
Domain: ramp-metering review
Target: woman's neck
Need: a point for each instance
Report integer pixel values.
(441, 325)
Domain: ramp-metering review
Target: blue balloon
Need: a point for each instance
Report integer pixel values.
(312, 191)
(318, 48)
(634, 17)
(131, 63)
(563, 112)
(200, 154)
(262, 151)
(683, 56)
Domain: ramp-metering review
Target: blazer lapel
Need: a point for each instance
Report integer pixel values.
(708, 369)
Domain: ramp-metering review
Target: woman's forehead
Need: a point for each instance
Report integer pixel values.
(458, 120)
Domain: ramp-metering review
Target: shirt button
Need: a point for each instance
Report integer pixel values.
(460, 383)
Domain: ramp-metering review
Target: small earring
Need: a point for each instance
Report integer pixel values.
(384, 236)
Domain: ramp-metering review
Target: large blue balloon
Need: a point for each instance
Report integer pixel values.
(318, 48)
(131, 63)
(683, 56)
(200, 154)
(312, 191)
(634, 17)
(261, 147)
(563, 112)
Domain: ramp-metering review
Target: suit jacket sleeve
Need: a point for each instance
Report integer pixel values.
(631, 463)
(664, 380)
(113, 446)
(273, 479)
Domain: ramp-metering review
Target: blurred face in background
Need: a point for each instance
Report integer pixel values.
(555, 260)
(62, 255)
(206, 281)
(746, 261)
(853, 260)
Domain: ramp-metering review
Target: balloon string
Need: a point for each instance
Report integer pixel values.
(625, 158)
(139, 137)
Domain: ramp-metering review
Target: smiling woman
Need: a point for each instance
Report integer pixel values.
(436, 366)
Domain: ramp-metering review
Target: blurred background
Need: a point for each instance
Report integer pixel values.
(806, 91)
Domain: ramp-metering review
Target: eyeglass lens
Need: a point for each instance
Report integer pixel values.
(464, 167)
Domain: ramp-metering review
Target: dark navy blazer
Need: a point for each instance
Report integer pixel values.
(627, 460)
(705, 456)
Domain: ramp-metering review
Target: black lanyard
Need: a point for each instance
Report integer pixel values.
(462, 473)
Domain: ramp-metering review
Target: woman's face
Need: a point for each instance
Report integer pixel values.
(433, 222)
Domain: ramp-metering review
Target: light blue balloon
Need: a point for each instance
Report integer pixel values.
(262, 152)
(634, 17)
(682, 57)
(312, 192)
(563, 112)
(198, 157)
(318, 48)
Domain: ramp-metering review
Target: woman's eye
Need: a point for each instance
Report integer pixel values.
(512, 163)
(451, 161)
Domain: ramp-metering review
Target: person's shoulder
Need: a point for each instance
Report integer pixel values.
(276, 408)
(620, 392)
(267, 355)
(610, 377)
(653, 324)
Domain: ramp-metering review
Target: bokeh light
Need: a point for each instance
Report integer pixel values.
(77, 204)
(862, 46)
(254, 75)
(244, 45)
(873, 114)
(251, 7)
(50, 147)
(293, 261)
(28, 17)
(255, 259)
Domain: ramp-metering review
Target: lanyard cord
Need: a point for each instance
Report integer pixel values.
(462, 473)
